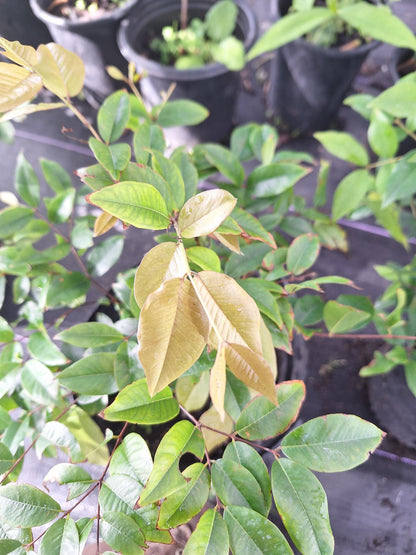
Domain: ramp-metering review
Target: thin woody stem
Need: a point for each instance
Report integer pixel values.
(363, 336)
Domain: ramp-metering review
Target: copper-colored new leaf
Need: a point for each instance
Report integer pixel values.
(104, 223)
(21, 54)
(229, 241)
(212, 419)
(163, 262)
(62, 71)
(172, 333)
(232, 311)
(251, 369)
(17, 85)
(217, 382)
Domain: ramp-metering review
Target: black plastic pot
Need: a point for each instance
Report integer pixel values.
(214, 85)
(310, 81)
(94, 40)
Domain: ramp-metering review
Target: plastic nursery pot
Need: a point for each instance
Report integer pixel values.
(93, 39)
(311, 81)
(213, 85)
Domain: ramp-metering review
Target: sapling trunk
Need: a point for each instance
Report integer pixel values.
(184, 14)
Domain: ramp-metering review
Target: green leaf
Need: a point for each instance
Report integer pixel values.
(401, 183)
(119, 493)
(237, 395)
(132, 458)
(61, 537)
(122, 533)
(187, 170)
(7, 132)
(67, 290)
(252, 226)
(95, 176)
(247, 456)
(181, 112)
(350, 193)
(113, 116)
(331, 236)
(250, 259)
(344, 146)
(250, 532)
(231, 53)
(259, 290)
(113, 158)
(262, 419)
(235, 485)
(57, 434)
(188, 501)
(220, 20)
(92, 375)
(56, 177)
(165, 478)
(137, 204)
(13, 219)
(144, 174)
(6, 332)
(289, 28)
(105, 255)
(40, 383)
(90, 334)
(75, 477)
(303, 507)
(170, 172)
(11, 546)
(210, 536)
(61, 206)
(84, 526)
(378, 22)
(388, 217)
(42, 348)
(332, 443)
(302, 253)
(225, 162)
(382, 136)
(203, 258)
(134, 404)
(203, 213)
(127, 366)
(308, 310)
(26, 506)
(398, 101)
(340, 318)
(26, 181)
(273, 179)
(6, 459)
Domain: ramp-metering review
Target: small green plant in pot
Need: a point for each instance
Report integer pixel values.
(202, 358)
(321, 47)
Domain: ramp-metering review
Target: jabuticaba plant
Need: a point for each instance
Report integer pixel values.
(192, 345)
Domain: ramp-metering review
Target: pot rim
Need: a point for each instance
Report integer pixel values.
(58, 21)
(155, 69)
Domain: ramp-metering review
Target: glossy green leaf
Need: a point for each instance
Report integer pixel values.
(344, 146)
(6, 332)
(259, 290)
(181, 112)
(11, 546)
(289, 28)
(230, 52)
(95, 176)
(137, 204)
(57, 434)
(26, 181)
(250, 259)
(26, 506)
(401, 182)
(302, 253)
(262, 419)
(145, 174)
(332, 443)
(165, 478)
(171, 174)
(56, 177)
(303, 507)
(379, 23)
(309, 310)
(340, 318)
(105, 255)
(273, 179)
(6, 459)
(382, 136)
(61, 206)
(92, 375)
(350, 193)
(134, 404)
(122, 533)
(220, 20)
(235, 485)
(245, 455)
(13, 219)
(331, 236)
(210, 536)
(119, 493)
(237, 395)
(84, 526)
(39, 382)
(225, 162)
(127, 367)
(188, 501)
(388, 217)
(113, 116)
(250, 532)
(90, 334)
(203, 258)
(61, 537)
(113, 158)
(67, 290)
(187, 170)
(75, 477)
(132, 458)
(203, 213)
(398, 101)
(252, 226)
(42, 348)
